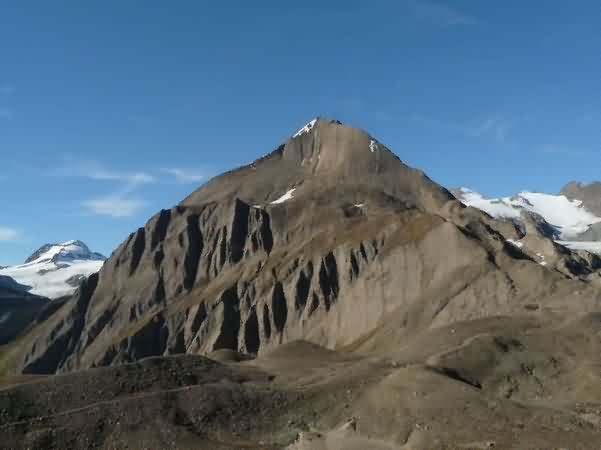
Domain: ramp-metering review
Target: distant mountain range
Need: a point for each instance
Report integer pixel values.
(571, 218)
(55, 270)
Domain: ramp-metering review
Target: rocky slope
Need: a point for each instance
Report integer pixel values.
(303, 397)
(56, 270)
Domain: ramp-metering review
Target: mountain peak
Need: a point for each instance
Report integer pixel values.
(306, 129)
(324, 158)
(309, 126)
(55, 270)
(69, 250)
(328, 145)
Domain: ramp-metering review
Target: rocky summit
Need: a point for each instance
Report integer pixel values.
(326, 296)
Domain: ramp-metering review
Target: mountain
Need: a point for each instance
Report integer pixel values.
(56, 270)
(246, 260)
(325, 296)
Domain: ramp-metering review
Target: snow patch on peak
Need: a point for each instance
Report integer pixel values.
(307, 128)
(517, 244)
(541, 258)
(373, 146)
(287, 196)
(492, 206)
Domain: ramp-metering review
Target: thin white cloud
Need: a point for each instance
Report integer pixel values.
(8, 234)
(562, 150)
(114, 206)
(438, 124)
(123, 200)
(7, 89)
(133, 178)
(441, 13)
(185, 176)
(97, 171)
(555, 149)
(495, 128)
(384, 116)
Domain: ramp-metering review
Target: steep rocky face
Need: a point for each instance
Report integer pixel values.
(589, 194)
(18, 308)
(325, 239)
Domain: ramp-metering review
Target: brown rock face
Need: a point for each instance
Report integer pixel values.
(327, 239)
(589, 194)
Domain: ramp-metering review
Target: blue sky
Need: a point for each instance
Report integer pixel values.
(111, 110)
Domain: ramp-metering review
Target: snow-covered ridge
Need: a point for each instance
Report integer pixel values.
(589, 246)
(373, 146)
(493, 206)
(305, 129)
(67, 251)
(569, 217)
(56, 270)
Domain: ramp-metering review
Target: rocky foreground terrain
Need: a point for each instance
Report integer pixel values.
(327, 296)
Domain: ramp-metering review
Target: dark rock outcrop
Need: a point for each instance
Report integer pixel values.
(18, 309)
